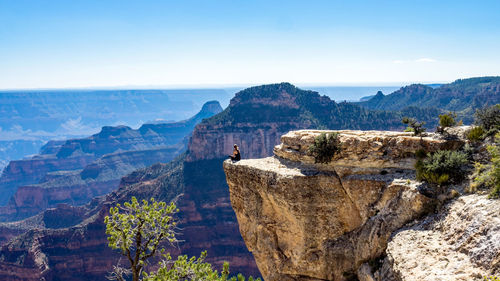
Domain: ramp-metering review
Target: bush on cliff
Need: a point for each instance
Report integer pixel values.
(476, 134)
(325, 146)
(442, 167)
(413, 126)
(489, 119)
(447, 120)
(138, 231)
(489, 175)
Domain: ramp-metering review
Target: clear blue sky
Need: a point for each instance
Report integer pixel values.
(84, 43)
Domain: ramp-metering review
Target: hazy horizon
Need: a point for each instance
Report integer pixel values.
(218, 86)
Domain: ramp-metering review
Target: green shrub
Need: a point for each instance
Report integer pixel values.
(475, 134)
(442, 167)
(491, 278)
(489, 175)
(420, 154)
(413, 126)
(469, 150)
(488, 118)
(447, 120)
(325, 147)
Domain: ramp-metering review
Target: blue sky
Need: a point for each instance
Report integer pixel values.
(183, 43)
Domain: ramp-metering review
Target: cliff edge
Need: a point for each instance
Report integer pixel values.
(344, 220)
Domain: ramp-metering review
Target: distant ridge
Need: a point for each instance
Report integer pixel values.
(463, 96)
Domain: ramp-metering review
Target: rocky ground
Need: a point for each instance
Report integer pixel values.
(462, 242)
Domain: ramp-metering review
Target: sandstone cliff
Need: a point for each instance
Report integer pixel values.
(307, 221)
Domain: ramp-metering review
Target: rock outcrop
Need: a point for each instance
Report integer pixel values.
(462, 242)
(307, 221)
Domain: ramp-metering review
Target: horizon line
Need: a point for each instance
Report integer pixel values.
(226, 86)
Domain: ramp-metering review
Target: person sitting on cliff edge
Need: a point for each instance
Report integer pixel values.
(236, 154)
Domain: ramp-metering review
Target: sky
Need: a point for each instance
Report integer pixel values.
(184, 43)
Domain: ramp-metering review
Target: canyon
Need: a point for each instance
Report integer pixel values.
(255, 119)
(77, 170)
(69, 242)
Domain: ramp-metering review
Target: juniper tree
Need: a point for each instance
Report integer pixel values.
(416, 127)
(447, 119)
(138, 231)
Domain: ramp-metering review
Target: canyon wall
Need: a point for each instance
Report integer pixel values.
(254, 120)
(30, 171)
(78, 187)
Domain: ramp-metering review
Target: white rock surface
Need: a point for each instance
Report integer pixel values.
(460, 243)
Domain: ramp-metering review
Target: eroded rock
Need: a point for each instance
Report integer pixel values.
(460, 243)
(306, 221)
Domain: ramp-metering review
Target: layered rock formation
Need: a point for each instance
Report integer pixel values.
(78, 249)
(76, 171)
(58, 254)
(255, 120)
(257, 117)
(25, 172)
(76, 154)
(123, 138)
(69, 243)
(307, 221)
(78, 187)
